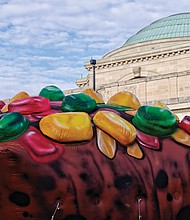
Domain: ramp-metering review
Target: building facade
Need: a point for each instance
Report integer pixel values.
(153, 64)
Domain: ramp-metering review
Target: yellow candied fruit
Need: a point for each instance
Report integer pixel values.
(125, 99)
(67, 127)
(93, 95)
(131, 112)
(114, 125)
(106, 144)
(17, 96)
(160, 105)
(181, 137)
(135, 151)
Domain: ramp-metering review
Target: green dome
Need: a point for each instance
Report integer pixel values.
(177, 25)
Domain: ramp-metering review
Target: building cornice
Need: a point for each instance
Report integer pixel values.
(82, 82)
(138, 59)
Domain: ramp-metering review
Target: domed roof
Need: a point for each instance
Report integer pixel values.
(177, 25)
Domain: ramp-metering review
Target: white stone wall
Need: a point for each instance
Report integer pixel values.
(158, 70)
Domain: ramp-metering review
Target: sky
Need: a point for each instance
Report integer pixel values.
(47, 42)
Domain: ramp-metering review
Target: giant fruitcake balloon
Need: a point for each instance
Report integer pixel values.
(75, 157)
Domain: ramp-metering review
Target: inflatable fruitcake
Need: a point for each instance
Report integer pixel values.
(75, 157)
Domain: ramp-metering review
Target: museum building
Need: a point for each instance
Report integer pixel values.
(153, 64)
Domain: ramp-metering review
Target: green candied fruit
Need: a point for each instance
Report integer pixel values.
(78, 103)
(53, 93)
(115, 107)
(155, 121)
(12, 125)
